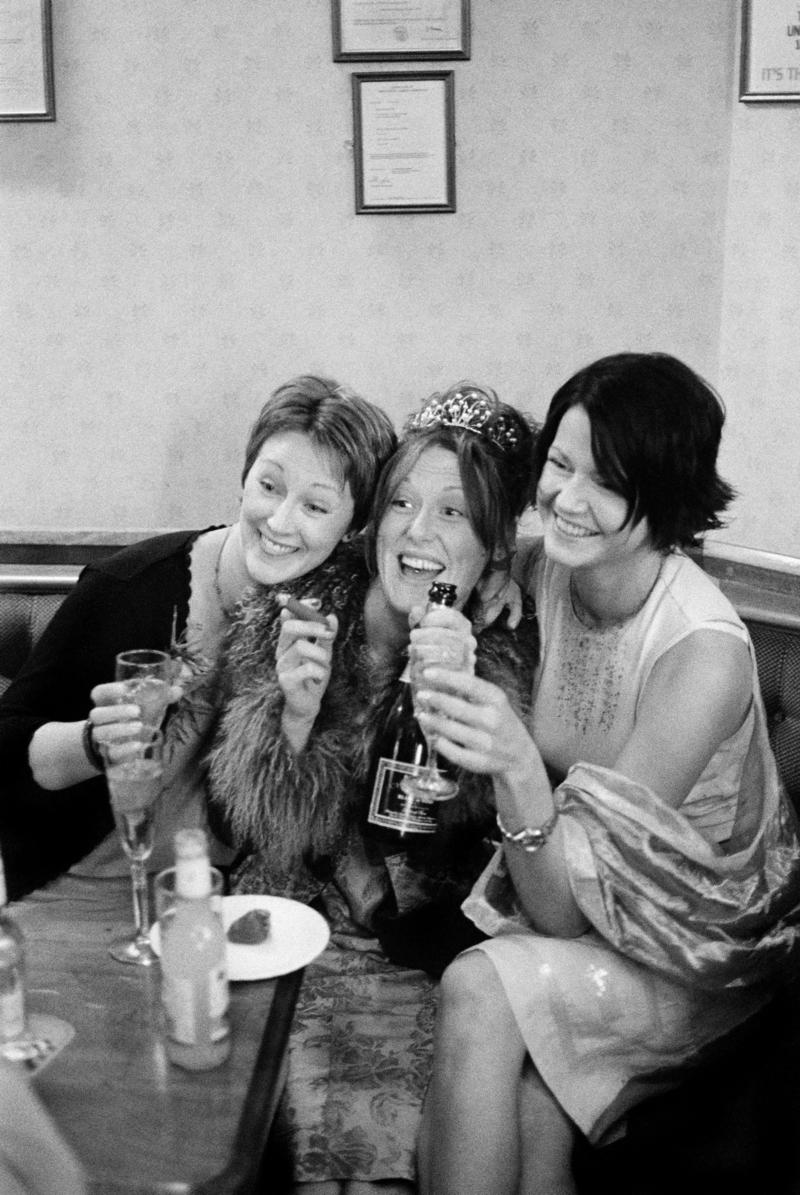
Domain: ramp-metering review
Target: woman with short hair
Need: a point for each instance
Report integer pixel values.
(311, 463)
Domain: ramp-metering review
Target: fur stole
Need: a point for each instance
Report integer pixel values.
(294, 810)
(286, 806)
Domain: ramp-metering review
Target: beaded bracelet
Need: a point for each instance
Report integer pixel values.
(531, 839)
(90, 747)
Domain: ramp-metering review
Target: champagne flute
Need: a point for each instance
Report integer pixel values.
(146, 675)
(134, 769)
(428, 781)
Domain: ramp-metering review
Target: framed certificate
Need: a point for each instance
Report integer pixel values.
(379, 30)
(770, 65)
(26, 61)
(404, 142)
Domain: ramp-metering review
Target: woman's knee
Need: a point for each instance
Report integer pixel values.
(471, 991)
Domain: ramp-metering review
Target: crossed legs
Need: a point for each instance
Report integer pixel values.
(489, 1122)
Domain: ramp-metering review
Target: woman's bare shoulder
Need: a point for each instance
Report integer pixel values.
(696, 697)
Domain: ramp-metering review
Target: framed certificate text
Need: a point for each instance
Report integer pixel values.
(404, 142)
(770, 60)
(26, 61)
(377, 30)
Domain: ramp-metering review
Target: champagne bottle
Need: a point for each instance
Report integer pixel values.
(14, 1037)
(193, 962)
(402, 750)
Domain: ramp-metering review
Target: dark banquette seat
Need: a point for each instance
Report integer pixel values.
(29, 597)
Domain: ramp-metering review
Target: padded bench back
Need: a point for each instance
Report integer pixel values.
(25, 610)
(778, 657)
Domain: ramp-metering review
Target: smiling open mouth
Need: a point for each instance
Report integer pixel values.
(573, 530)
(271, 548)
(420, 566)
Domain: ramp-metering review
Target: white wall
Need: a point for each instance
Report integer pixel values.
(182, 239)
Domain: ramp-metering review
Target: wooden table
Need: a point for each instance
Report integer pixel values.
(138, 1124)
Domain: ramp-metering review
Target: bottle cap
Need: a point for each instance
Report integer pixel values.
(192, 867)
(190, 843)
(442, 593)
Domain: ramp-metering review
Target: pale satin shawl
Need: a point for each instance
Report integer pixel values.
(658, 892)
(685, 944)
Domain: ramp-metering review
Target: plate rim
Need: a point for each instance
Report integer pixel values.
(256, 900)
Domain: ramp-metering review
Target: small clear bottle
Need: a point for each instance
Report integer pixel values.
(15, 1040)
(193, 962)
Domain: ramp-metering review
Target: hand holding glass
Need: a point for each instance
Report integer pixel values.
(134, 769)
(429, 782)
(147, 677)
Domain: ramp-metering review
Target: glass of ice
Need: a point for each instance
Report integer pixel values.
(146, 675)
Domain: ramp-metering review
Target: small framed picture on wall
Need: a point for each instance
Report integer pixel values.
(770, 54)
(404, 142)
(383, 30)
(26, 61)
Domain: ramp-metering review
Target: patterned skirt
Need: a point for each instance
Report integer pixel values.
(359, 1063)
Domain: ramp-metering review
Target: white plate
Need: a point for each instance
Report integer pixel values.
(297, 935)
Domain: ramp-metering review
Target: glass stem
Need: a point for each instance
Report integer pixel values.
(141, 902)
(432, 764)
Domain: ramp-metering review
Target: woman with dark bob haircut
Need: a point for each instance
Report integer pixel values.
(655, 433)
(644, 892)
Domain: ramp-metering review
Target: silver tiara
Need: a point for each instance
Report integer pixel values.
(469, 411)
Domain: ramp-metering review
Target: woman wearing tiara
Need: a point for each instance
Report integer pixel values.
(291, 778)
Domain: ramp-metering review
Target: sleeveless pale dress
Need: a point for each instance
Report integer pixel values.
(671, 961)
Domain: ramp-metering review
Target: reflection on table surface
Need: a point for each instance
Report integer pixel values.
(137, 1123)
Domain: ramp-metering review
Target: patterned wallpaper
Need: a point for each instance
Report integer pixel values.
(183, 239)
(760, 342)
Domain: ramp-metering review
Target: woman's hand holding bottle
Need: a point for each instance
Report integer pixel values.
(446, 629)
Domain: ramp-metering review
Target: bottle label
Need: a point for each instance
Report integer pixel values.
(395, 809)
(12, 1011)
(195, 1012)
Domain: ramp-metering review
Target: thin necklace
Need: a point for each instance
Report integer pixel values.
(226, 613)
(591, 622)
